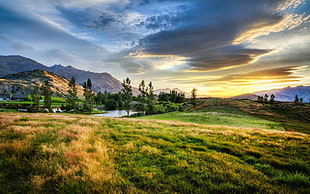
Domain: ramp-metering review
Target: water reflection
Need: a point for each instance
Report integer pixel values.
(115, 113)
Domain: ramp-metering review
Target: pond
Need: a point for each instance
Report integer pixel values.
(115, 113)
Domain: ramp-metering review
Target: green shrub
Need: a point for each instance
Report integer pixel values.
(294, 180)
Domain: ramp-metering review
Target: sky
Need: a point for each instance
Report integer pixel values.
(221, 47)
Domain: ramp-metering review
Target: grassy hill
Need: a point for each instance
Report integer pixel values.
(48, 153)
(244, 113)
(25, 82)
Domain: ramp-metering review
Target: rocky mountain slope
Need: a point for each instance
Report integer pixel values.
(14, 64)
(25, 82)
(100, 81)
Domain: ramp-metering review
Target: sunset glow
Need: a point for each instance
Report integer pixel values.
(222, 48)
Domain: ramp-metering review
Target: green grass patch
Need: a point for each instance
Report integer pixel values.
(83, 154)
(218, 118)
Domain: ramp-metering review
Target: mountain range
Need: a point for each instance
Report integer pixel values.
(17, 72)
(100, 81)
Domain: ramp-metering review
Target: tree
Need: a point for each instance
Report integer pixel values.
(272, 98)
(266, 98)
(150, 99)
(296, 99)
(193, 97)
(142, 96)
(300, 100)
(35, 96)
(47, 93)
(72, 99)
(127, 94)
(89, 96)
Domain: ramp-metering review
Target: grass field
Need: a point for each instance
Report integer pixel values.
(246, 114)
(63, 153)
(56, 101)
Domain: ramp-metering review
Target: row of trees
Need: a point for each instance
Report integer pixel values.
(145, 102)
(298, 100)
(265, 98)
(89, 95)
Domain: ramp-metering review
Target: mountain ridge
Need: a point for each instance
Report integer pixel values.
(101, 81)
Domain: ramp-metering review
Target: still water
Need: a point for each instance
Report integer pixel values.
(115, 113)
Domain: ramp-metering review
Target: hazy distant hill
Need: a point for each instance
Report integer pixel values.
(167, 90)
(245, 96)
(288, 94)
(284, 94)
(101, 81)
(24, 82)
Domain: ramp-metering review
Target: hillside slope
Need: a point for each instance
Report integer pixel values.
(101, 81)
(25, 82)
(282, 116)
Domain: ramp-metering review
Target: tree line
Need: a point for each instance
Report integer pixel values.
(264, 99)
(145, 102)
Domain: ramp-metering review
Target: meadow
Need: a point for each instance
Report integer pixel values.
(66, 153)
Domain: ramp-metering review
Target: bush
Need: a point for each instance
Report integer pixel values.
(294, 180)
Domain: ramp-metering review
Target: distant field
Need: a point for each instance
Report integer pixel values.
(218, 118)
(63, 153)
(248, 114)
(56, 101)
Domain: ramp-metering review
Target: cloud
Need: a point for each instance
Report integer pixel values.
(218, 44)
(21, 46)
(281, 73)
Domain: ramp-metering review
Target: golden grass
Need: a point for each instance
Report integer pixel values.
(91, 150)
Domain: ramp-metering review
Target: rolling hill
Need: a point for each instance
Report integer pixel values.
(24, 82)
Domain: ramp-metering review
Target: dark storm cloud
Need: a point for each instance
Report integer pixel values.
(212, 27)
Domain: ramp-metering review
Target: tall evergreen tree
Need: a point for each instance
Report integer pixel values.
(89, 96)
(150, 99)
(72, 99)
(47, 93)
(127, 92)
(35, 96)
(296, 99)
(142, 96)
(266, 98)
(272, 98)
(193, 97)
